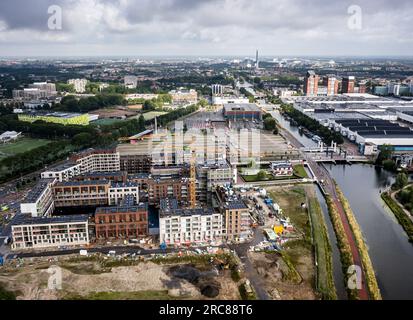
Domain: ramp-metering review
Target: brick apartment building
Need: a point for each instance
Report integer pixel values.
(123, 222)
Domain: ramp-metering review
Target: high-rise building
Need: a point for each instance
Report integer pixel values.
(311, 84)
(347, 85)
(331, 83)
(79, 85)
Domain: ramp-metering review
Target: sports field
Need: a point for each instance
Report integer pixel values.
(20, 146)
(105, 122)
(151, 115)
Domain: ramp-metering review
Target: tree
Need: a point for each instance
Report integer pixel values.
(386, 153)
(270, 124)
(149, 105)
(141, 122)
(261, 175)
(203, 103)
(389, 165)
(82, 139)
(401, 181)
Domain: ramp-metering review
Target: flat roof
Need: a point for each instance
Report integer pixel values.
(123, 185)
(60, 167)
(241, 107)
(103, 174)
(38, 189)
(122, 209)
(235, 204)
(187, 212)
(28, 220)
(81, 183)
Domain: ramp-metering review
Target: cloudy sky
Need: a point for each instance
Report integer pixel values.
(207, 27)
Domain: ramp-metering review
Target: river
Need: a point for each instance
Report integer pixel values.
(389, 249)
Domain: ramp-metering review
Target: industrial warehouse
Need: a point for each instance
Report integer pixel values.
(367, 120)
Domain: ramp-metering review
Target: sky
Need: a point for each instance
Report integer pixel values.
(206, 27)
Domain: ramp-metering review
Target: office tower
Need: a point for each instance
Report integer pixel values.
(347, 85)
(331, 83)
(311, 84)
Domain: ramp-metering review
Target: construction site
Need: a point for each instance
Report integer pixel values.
(98, 276)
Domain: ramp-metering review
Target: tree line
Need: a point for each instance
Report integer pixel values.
(72, 104)
(312, 125)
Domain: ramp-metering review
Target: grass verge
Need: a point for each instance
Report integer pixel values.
(342, 242)
(299, 171)
(401, 216)
(370, 275)
(323, 254)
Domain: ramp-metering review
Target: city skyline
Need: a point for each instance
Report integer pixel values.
(206, 28)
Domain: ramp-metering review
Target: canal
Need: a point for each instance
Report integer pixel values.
(389, 249)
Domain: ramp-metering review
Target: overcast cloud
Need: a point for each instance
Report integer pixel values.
(206, 27)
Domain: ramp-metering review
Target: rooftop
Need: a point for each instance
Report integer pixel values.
(241, 107)
(82, 183)
(186, 212)
(123, 184)
(35, 193)
(28, 220)
(122, 209)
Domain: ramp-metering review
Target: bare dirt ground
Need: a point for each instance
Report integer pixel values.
(292, 275)
(83, 279)
(277, 278)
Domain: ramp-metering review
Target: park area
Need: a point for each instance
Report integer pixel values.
(20, 146)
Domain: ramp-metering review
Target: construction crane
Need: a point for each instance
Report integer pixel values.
(192, 182)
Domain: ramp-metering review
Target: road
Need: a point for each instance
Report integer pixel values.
(249, 269)
(322, 174)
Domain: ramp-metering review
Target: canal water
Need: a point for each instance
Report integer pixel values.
(389, 249)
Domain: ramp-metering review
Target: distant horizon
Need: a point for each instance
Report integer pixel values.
(266, 56)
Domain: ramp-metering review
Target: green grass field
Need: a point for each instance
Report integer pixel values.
(151, 115)
(20, 146)
(299, 171)
(105, 122)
